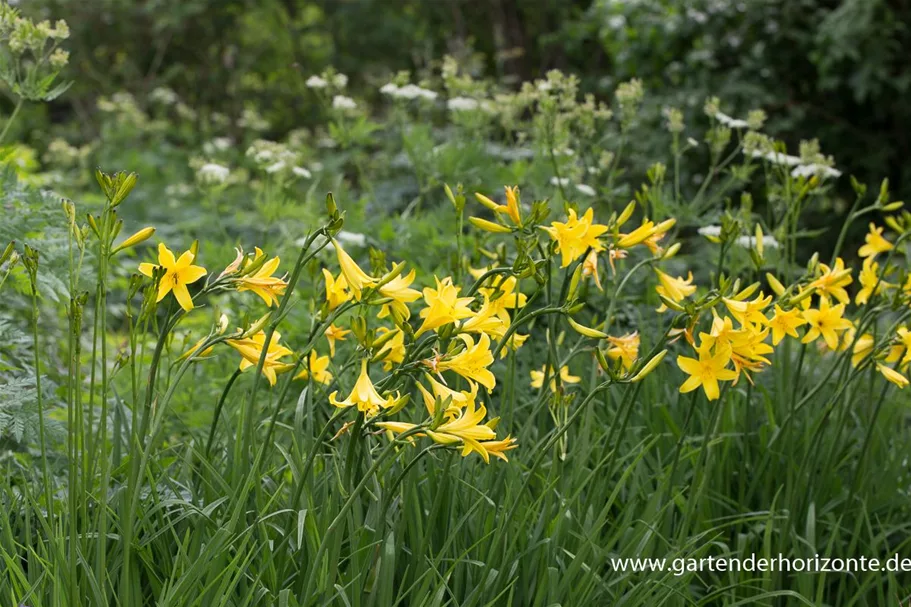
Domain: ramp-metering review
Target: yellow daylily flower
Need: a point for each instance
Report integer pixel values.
(514, 342)
(833, 281)
(472, 362)
(660, 232)
(336, 289)
(747, 351)
(512, 204)
(707, 371)
(250, 349)
(785, 323)
(674, 289)
(440, 390)
(827, 321)
(749, 312)
(364, 396)
(444, 306)
(319, 369)
(590, 268)
(485, 321)
(576, 235)
(498, 448)
(875, 243)
(262, 282)
(501, 294)
(537, 378)
(355, 277)
(625, 348)
(637, 236)
(872, 283)
(334, 334)
(398, 289)
(901, 351)
(179, 273)
(393, 351)
(863, 347)
(892, 375)
(464, 428)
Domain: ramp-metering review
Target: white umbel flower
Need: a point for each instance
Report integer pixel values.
(341, 102)
(462, 104)
(586, 189)
(212, 173)
(809, 170)
(316, 82)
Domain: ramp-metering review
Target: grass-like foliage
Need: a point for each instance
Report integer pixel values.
(248, 392)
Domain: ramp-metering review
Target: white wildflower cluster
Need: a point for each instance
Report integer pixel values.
(253, 120)
(328, 79)
(212, 173)
(813, 169)
(124, 108)
(217, 145)
(163, 95)
(462, 104)
(408, 91)
(732, 123)
(60, 153)
(343, 103)
(276, 158)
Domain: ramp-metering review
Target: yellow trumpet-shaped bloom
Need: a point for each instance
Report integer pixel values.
(356, 279)
(749, 312)
(364, 396)
(785, 323)
(537, 378)
(251, 349)
(707, 371)
(486, 321)
(472, 362)
(871, 282)
(179, 273)
(444, 306)
(334, 334)
(336, 289)
(512, 204)
(393, 350)
(319, 369)
(576, 235)
(590, 268)
(674, 289)
(398, 289)
(463, 427)
(637, 236)
(262, 282)
(875, 243)
(832, 281)
(892, 375)
(827, 321)
(625, 348)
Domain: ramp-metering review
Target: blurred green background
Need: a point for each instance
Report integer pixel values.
(837, 70)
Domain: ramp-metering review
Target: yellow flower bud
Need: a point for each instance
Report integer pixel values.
(140, 236)
(775, 284)
(649, 367)
(489, 226)
(487, 202)
(586, 331)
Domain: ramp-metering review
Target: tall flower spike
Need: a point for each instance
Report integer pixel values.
(179, 273)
